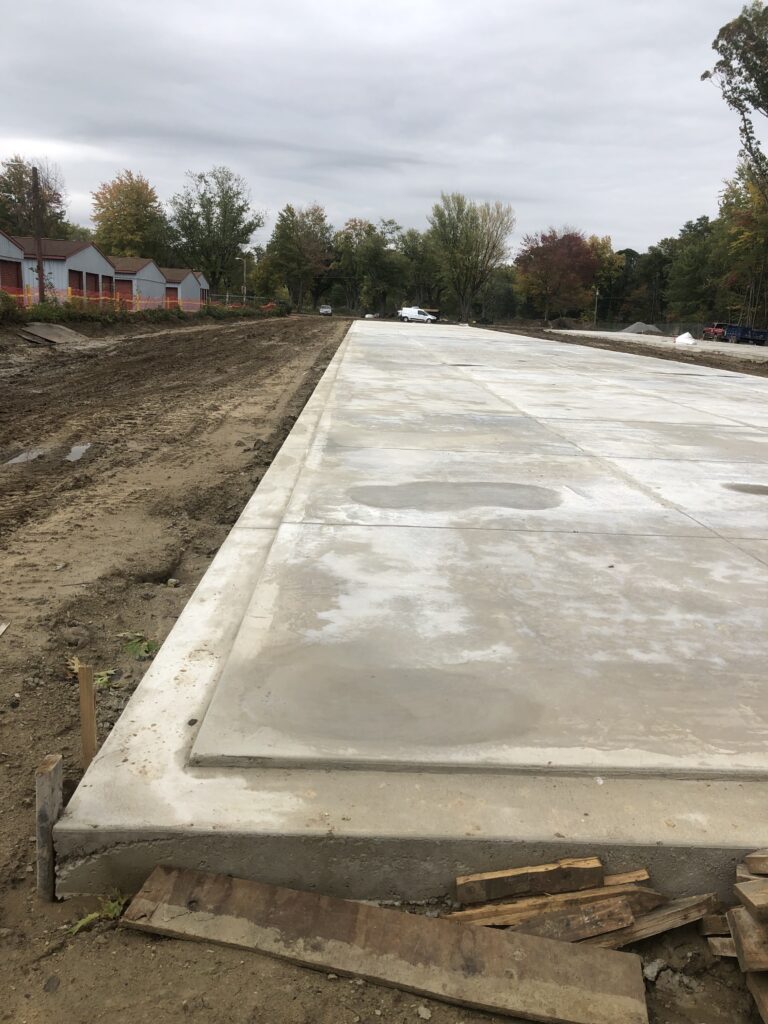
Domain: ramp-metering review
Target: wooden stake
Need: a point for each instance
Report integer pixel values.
(87, 712)
(49, 777)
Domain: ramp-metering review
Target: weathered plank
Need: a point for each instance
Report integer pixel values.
(626, 877)
(640, 900)
(757, 862)
(743, 874)
(572, 926)
(754, 896)
(751, 939)
(501, 972)
(49, 781)
(721, 945)
(714, 924)
(566, 875)
(758, 989)
(88, 734)
(674, 915)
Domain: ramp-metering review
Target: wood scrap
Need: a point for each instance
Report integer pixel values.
(566, 875)
(49, 800)
(714, 924)
(757, 862)
(640, 899)
(758, 989)
(501, 972)
(750, 938)
(572, 926)
(743, 874)
(674, 915)
(754, 896)
(626, 877)
(721, 945)
(3, 627)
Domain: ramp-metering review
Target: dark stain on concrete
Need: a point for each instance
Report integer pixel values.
(455, 496)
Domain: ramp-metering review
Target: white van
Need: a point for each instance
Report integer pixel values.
(412, 314)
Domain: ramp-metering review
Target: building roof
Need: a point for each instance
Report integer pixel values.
(55, 248)
(130, 264)
(174, 275)
(11, 239)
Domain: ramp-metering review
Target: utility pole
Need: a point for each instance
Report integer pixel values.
(37, 208)
(597, 296)
(244, 260)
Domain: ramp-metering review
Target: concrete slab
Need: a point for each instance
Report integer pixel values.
(446, 650)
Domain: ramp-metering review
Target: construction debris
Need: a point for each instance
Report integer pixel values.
(746, 937)
(757, 862)
(505, 972)
(675, 914)
(562, 876)
(640, 900)
(714, 924)
(49, 334)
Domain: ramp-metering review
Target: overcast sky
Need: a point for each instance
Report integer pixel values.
(581, 112)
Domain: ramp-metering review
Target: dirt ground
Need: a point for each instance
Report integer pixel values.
(181, 426)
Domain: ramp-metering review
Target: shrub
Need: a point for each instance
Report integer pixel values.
(10, 311)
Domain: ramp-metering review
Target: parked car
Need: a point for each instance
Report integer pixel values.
(325, 310)
(413, 314)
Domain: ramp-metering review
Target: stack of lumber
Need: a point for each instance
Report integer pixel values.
(743, 931)
(574, 900)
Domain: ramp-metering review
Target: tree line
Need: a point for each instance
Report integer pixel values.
(712, 269)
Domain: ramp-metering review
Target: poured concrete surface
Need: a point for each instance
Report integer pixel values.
(518, 600)
(746, 353)
(586, 672)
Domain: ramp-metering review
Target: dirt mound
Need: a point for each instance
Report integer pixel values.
(640, 328)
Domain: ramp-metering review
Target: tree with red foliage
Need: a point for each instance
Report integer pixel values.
(557, 268)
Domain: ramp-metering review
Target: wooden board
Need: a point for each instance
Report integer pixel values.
(743, 874)
(626, 877)
(757, 862)
(566, 875)
(572, 926)
(674, 915)
(49, 800)
(501, 972)
(640, 900)
(751, 939)
(714, 924)
(754, 896)
(758, 989)
(721, 945)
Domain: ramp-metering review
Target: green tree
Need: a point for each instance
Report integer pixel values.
(422, 278)
(212, 220)
(369, 264)
(608, 274)
(741, 73)
(691, 291)
(129, 218)
(471, 242)
(557, 270)
(17, 215)
(300, 249)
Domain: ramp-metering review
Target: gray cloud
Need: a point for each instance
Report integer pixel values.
(575, 111)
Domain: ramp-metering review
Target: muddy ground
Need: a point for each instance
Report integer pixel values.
(181, 425)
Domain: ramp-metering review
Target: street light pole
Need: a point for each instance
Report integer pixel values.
(244, 260)
(37, 208)
(597, 296)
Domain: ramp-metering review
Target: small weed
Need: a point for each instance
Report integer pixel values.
(110, 909)
(138, 646)
(102, 679)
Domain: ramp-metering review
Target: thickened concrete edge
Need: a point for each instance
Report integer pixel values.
(360, 834)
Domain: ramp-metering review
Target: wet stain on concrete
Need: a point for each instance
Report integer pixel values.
(454, 496)
(747, 488)
(353, 694)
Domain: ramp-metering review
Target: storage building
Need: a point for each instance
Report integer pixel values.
(11, 260)
(72, 269)
(182, 288)
(139, 282)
